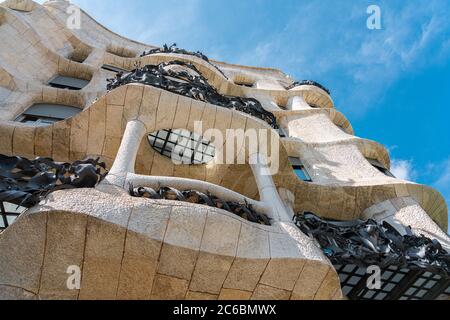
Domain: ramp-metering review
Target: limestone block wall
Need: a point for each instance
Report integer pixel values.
(139, 249)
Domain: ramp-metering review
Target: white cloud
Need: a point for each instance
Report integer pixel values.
(444, 178)
(403, 169)
(443, 181)
(329, 40)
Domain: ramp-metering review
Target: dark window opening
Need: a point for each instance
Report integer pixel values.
(9, 213)
(300, 169)
(375, 163)
(20, 10)
(396, 284)
(182, 146)
(113, 68)
(42, 114)
(245, 84)
(62, 82)
(79, 57)
(281, 133)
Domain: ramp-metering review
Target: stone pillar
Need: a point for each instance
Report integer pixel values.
(268, 191)
(126, 156)
(297, 103)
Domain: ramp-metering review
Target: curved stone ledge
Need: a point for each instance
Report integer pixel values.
(368, 148)
(21, 5)
(311, 94)
(127, 249)
(98, 131)
(406, 211)
(103, 36)
(334, 115)
(93, 33)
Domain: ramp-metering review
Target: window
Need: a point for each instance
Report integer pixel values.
(342, 128)
(380, 167)
(300, 169)
(9, 212)
(20, 10)
(244, 83)
(113, 68)
(42, 114)
(182, 146)
(396, 284)
(62, 82)
(281, 133)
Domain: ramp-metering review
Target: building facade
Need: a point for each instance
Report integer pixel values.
(161, 174)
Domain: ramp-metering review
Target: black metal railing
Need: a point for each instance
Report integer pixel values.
(308, 83)
(244, 210)
(26, 182)
(194, 86)
(412, 267)
(174, 49)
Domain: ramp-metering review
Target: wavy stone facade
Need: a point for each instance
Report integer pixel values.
(136, 248)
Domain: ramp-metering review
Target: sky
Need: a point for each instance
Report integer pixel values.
(393, 84)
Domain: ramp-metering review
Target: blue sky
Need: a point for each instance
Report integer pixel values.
(393, 84)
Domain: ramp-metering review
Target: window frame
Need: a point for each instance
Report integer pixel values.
(377, 165)
(114, 69)
(297, 164)
(39, 114)
(191, 148)
(60, 82)
(5, 214)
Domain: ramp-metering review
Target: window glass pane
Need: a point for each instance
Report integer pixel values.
(70, 83)
(45, 113)
(300, 169)
(12, 208)
(375, 163)
(10, 214)
(11, 219)
(189, 148)
(113, 68)
(301, 174)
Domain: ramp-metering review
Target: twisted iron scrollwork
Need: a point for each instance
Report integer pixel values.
(308, 83)
(245, 211)
(192, 85)
(26, 182)
(366, 243)
(174, 49)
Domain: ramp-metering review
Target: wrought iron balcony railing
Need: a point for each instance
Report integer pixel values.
(26, 182)
(308, 83)
(244, 210)
(194, 86)
(412, 267)
(174, 49)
